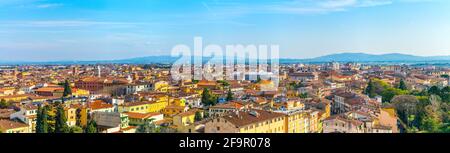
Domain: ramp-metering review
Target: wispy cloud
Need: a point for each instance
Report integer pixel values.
(49, 5)
(30, 4)
(296, 6)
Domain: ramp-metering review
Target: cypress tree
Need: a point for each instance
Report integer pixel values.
(61, 121)
(229, 95)
(67, 89)
(91, 127)
(370, 89)
(402, 85)
(207, 98)
(3, 103)
(41, 122)
(198, 116)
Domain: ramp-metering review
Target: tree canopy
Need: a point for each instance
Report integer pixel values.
(41, 120)
(229, 95)
(67, 89)
(91, 127)
(61, 120)
(402, 85)
(207, 98)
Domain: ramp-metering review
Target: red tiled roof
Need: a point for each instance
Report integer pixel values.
(98, 104)
(8, 124)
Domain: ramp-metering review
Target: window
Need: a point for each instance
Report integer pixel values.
(218, 128)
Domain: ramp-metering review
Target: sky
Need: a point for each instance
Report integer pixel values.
(51, 30)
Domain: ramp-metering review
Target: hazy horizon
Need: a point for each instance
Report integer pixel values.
(83, 60)
(67, 30)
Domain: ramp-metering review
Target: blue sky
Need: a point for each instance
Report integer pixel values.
(42, 30)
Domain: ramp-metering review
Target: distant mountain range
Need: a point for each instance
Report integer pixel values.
(341, 57)
(363, 57)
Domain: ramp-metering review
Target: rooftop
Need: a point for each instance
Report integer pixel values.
(243, 118)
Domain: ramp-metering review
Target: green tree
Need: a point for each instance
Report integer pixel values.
(61, 121)
(41, 120)
(402, 85)
(258, 79)
(430, 124)
(445, 94)
(434, 90)
(370, 89)
(205, 114)
(295, 85)
(195, 81)
(91, 127)
(148, 127)
(303, 95)
(224, 83)
(229, 95)
(207, 98)
(67, 89)
(50, 118)
(75, 129)
(406, 106)
(198, 116)
(390, 93)
(4, 104)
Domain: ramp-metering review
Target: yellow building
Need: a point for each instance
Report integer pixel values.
(83, 111)
(80, 92)
(176, 106)
(173, 110)
(183, 121)
(71, 115)
(314, 121)
(8, 126)
(251, 121)
(143, 107)
(162, 86)
(302, 121)
(297, 122)
(185, 118)
(14, 98)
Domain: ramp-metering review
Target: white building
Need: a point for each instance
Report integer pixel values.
(27, 115)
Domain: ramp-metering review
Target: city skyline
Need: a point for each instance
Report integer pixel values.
(53, 30)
